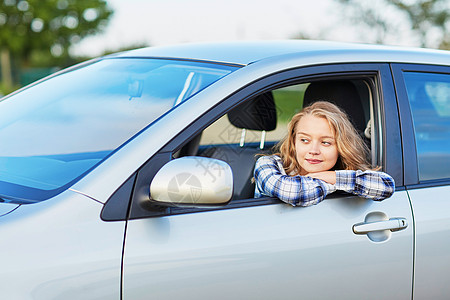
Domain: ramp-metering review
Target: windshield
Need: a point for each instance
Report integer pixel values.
(54, 132)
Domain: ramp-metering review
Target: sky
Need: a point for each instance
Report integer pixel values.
(165, 22)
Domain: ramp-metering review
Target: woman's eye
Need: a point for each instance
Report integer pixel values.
(304, 140)
(326, 143)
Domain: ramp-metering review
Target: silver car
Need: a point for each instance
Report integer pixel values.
(130, 176)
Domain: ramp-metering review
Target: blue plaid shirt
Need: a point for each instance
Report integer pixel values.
(272, 180)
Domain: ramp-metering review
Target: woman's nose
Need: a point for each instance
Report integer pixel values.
(315, 149)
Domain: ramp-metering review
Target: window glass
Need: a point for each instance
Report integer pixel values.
(429, 97)
(53, 132)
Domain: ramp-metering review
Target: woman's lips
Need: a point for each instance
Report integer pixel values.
(314, 161)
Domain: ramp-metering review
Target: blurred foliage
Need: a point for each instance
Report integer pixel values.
(6, 89)
(38, 33)
(429, 20)
(288, 102)
(50, 25)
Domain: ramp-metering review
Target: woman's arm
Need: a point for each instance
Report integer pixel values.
(327, 176)
(368, 184)
(294, 190)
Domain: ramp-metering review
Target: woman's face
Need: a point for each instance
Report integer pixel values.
(315, 145)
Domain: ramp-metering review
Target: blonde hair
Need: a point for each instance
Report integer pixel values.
(353, 152)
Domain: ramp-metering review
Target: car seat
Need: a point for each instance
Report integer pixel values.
(344, 94)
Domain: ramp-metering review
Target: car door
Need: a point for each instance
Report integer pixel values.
(423, 93)
(265, 249)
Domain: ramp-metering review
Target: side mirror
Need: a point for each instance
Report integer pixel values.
(193, 180)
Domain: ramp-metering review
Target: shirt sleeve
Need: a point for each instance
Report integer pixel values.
(294, 190)
(368, 184)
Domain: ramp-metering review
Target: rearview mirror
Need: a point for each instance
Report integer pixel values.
(193, 180)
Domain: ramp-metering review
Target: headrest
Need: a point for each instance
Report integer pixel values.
(344, 94)
(256, 114)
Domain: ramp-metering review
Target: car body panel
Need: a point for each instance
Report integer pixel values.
(432, 252)
(60, 249)
(271, 251)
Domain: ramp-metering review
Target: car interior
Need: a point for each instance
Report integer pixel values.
(251, 122)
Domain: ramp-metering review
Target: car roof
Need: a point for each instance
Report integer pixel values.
(247, 52)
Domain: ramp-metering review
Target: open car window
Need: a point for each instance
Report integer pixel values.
(256, 126)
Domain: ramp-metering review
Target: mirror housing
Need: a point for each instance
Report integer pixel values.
(192, 181)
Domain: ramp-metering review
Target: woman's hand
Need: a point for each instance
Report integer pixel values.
(327, 176)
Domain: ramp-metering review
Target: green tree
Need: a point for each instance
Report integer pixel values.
(38, 28)
(429, 20)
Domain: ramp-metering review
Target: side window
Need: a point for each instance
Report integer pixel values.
(429, 98)
(255, 126)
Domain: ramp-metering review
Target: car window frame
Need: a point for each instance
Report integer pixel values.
(411, 165)
(133, 191)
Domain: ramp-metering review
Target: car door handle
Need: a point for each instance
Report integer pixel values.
(393, 224)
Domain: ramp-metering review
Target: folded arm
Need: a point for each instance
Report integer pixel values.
(368, 184)
(294, 190)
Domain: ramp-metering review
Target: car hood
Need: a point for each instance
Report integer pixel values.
(6, 208)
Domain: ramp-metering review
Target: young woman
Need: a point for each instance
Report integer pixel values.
(322, 153)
